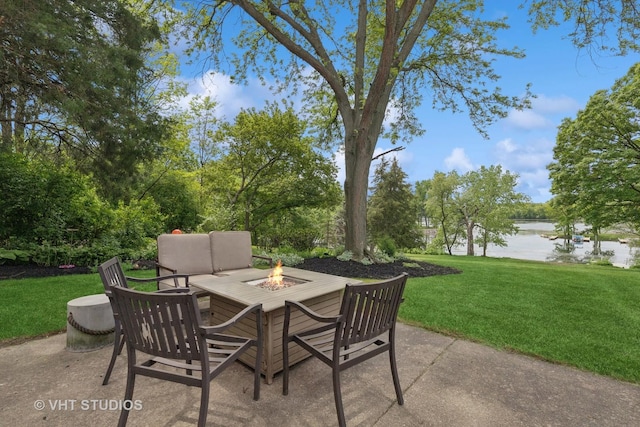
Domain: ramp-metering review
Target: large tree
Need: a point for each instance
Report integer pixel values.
(77, 81)
(485, 200)
(266, 166)
(368, 56)
(440, 208)
(392, 211)
(595, 173)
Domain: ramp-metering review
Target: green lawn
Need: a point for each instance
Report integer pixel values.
(581, 315)
(34, 307)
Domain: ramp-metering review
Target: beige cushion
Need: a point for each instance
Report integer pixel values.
(230, 250)
(185, 253)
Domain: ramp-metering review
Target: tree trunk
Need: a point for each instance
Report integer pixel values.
(357, 163)
(470, 226)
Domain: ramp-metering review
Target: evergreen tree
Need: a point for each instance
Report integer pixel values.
(392, 211)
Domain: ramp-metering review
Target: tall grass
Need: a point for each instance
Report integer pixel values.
(581, 315)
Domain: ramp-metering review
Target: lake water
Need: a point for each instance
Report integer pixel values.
(528, 244)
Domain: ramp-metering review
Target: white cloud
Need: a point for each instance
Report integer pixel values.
(543, 112)
(459, 161)
(230, 97)
(527, 119)
(560, 104)
(532, 155)
(529, 160)
(506, 146)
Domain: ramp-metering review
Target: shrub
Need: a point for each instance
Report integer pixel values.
(46, 202)
(15, 255)
(136, 222)
(289, 259)
(387, 245)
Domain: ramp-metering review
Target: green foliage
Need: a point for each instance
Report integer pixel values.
(440, 208)
(288, 259)
(269, 169)
(391, 210)
(387, 245)
(345, 256)
(75, 72)
(483, 200)
(16, 255)
(134, 223)
(421, 194)
(593, 174)
(176, 196)
(45, 202)
(411, 264)
(382, 257)
(609, 27)
(533, 211)
(359, 72)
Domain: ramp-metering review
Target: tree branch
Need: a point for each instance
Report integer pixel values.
(387, 152)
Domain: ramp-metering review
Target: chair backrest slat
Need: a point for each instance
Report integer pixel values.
(368, 310)
(162, 325)
(112, 274)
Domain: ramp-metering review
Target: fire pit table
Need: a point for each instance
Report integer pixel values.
(230, 294)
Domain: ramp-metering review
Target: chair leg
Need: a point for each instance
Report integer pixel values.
(337, 395)
(204, 402)
(285, 367)
(394, 372)
(256, 372)
(128, 394)
(118, 344)
(259, 342)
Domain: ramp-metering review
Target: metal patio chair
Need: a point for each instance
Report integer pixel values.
(168, 328)
(112, 274)
(364, 328)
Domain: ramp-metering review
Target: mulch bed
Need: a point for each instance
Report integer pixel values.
(32, 270)
(329, 265)
(374, 271)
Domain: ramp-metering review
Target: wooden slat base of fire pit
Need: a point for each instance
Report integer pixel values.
(222, 309)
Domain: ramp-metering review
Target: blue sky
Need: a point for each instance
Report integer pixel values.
(562, 77)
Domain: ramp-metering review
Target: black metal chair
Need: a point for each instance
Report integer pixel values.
(364, 328)
(112, 274)
(168, 328)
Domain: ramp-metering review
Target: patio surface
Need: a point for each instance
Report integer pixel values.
(446, 382)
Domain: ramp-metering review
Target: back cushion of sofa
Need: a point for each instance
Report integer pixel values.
(230, 250)
(186, 253)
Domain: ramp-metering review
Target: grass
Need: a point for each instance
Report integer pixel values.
(36, 307)
(585, 316)
(580, 315)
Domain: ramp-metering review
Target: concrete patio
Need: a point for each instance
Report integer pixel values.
(446, 382)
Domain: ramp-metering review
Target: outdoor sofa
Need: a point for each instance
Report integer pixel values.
(217, 253)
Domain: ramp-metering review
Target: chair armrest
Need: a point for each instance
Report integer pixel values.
(255, 308)
(164, 267)
(174, 291)
(310, 313)
(265, 258)
(157, 279)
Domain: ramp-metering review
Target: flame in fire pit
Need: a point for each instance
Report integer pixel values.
(275, 277)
